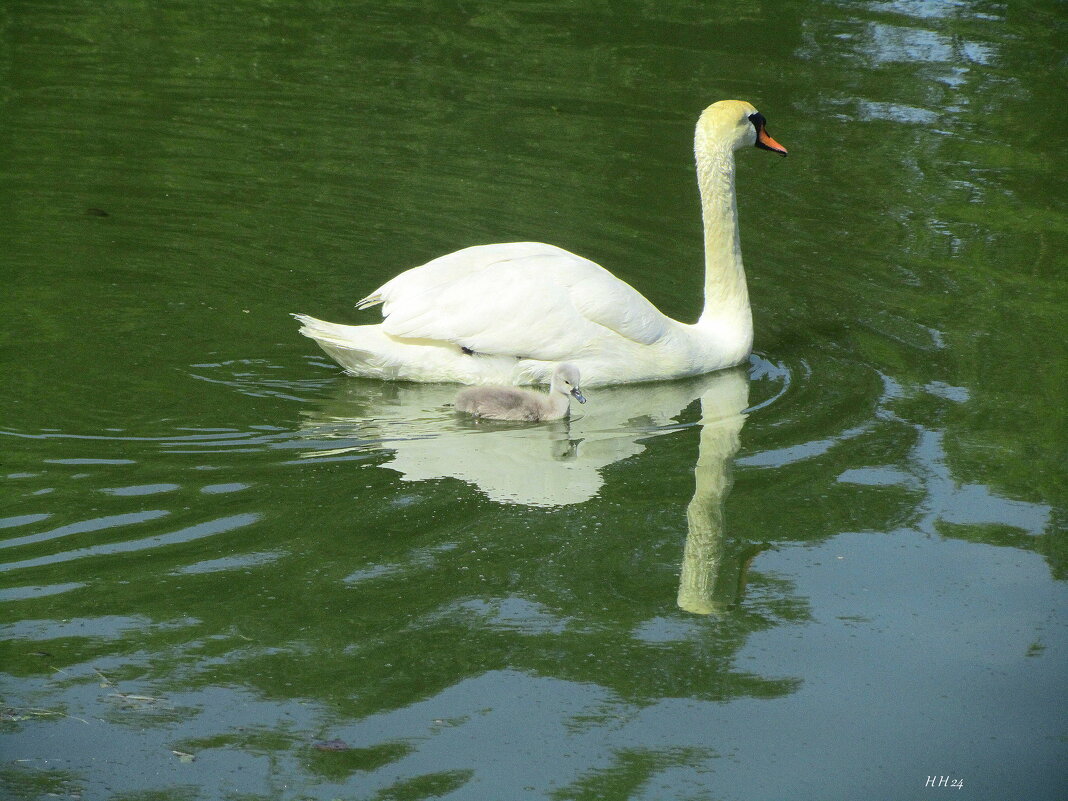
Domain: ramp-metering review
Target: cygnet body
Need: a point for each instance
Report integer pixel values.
(510, 403)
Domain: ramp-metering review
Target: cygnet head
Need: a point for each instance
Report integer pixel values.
(566, 381)
(735, 124)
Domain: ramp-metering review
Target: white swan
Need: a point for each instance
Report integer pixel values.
(508, 313)
(509, 403)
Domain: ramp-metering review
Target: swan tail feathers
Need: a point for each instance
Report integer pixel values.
(322, 331)
(359, 349)
(370, 352)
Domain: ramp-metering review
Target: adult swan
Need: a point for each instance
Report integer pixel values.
(510, 313)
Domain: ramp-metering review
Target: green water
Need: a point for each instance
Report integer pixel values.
(230, 572)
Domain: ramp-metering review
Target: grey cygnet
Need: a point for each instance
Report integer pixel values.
(510, 403)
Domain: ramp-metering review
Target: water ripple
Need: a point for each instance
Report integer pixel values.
(85, 526)
(23, 520)
(188, 534)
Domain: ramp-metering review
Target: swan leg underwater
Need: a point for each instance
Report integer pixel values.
(510, 403)
(510, 313)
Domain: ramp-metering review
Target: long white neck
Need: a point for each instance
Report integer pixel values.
(726, 294)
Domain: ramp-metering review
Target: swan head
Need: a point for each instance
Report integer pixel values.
(736, 125)
(566, 381)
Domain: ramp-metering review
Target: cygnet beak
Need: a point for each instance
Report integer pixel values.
(578, 395)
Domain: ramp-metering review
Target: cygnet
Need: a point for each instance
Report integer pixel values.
(510, 403)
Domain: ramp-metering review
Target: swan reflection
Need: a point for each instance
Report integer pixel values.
(702, 586)
(551, 464)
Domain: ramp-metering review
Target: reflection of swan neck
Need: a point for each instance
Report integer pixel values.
(726, 294)
(701, 557)
(721, 426)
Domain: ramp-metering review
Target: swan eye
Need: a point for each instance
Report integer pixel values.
(758, 120)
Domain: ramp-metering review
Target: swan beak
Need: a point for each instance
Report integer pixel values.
(767, 143)
(578, 395)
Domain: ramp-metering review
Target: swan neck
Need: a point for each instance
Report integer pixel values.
(726, 294)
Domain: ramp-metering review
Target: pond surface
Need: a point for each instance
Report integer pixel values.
(230, 571)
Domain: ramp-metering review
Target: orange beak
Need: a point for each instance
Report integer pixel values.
(767, 143)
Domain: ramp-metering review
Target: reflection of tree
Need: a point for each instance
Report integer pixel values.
(631, 768)
(957, 261)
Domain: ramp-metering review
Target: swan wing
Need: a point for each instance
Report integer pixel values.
(521, 299)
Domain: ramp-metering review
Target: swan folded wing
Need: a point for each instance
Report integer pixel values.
(522, 299)
(619, 307)
(506, 308)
